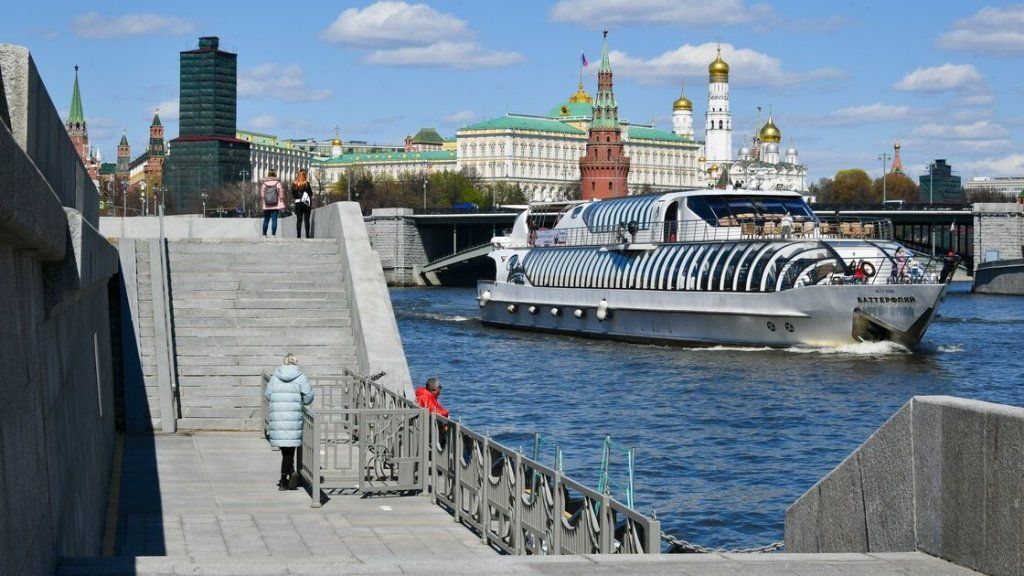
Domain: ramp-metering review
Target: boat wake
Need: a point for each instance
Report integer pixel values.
(434, 316)
(883, 348)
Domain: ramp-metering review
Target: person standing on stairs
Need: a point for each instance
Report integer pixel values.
(302, 194)
(271, 200)
(287, 391)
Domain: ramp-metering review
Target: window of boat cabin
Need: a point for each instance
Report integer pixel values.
(732, 210)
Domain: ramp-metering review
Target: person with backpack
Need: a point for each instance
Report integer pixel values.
(302, 194)
(271, 200)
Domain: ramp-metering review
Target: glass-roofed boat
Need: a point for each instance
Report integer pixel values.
(710, 267)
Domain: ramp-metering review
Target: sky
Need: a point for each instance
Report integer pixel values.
(843, 79)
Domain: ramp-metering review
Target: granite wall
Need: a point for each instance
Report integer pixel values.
(943, 476)
(56, 393)
(998, 231)
(395, 238)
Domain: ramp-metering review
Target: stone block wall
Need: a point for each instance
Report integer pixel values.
(39, 130)
(944, 476)
(56, 393)
(999, 227)
(395, 238)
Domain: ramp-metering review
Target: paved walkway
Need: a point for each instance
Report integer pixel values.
(208, 504)
(214, 497)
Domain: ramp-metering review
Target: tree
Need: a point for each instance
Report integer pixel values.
(821, 190)
(503, 193)
(897, 187)
(986, 195)
(851, 186)
(242, 198)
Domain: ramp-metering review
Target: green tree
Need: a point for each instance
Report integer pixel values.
(897, 187)
(821, 190)
(851, 186)
(504, 193)
(985, 195)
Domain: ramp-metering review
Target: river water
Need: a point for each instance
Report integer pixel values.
(726, 437)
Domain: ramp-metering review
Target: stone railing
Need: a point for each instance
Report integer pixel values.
(943, 476)
(361, 435)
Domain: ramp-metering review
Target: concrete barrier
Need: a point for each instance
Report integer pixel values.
(999, 277)
(39, 130)
(943, 476)
(180, 227)
(57, 414)
(378, 344)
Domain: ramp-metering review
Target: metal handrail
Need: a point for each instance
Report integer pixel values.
(699, 230)
(513, 502)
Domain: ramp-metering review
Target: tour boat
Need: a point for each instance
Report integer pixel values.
(707, 266)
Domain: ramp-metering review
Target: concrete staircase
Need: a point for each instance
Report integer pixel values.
(238, 306)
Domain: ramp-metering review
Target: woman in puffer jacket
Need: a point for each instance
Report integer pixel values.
(288, 391)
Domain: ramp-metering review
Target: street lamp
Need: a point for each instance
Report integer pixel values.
(142, 198)
(884, 157)
(244, 173)
(202, 194)
(931, 177)
(424, 192)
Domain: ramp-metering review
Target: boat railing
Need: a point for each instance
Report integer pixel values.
(699, 230)
(895, 269)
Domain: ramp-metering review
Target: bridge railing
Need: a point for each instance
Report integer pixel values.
(377, 440)
(910, 207)
(728, 228)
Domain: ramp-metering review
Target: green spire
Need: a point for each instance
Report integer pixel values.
(76, 116)
(156, 118)
(606, 65)
(606, 111)
(124, 140)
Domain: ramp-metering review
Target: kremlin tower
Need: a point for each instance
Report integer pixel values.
(682, 116)
(79, 133)
(605, 167)
(897, 162)
(718, 129)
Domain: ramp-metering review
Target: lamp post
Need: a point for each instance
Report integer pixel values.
(202, 194)
(244, 173)
(124, 196)
(424, 192)
(931, 178)
(142, 199)
(884, 157)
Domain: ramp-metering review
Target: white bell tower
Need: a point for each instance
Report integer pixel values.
(718, 129)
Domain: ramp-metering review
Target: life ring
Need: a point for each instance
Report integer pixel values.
(869, 269)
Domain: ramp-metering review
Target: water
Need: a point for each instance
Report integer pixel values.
(726, 437)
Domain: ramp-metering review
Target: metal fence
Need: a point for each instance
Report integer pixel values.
(671, 231)
(360, 435)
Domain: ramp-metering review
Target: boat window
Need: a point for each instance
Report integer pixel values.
(719, 210)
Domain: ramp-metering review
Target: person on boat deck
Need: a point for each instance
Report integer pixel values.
(787, 225)
(901, 264)
(426, 397)
(860, 275)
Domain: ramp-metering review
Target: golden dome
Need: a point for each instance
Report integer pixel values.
(701, 159)
(718, 69)
(336, 142)
(770, 132)
(682, 103)
(581, 96)
(897, 145)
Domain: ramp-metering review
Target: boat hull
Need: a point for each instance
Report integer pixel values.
(808, 316)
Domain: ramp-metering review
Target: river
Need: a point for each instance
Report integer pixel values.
(726, 437)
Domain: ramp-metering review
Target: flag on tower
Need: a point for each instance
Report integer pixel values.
(583, 58)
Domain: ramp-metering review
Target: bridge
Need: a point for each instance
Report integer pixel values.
(456, 244)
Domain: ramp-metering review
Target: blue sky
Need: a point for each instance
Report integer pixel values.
(844, 79)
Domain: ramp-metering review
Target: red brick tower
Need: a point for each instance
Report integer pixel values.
(605, 168)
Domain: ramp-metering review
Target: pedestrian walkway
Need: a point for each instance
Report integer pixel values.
(214, 497)
(208, 504)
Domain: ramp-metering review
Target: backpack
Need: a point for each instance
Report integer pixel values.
(270, 195)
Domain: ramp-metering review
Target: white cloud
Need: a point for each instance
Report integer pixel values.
(1010, 165)
(389, 24)
(991, 30)
(980, 130)
(401, 34)
(168, 110)
(678, 12)
(942, 79)
(747, 67)
(263, 122)
(94, 25)
(865, 114)
(287, 83)
(460, 55)
(461, 117)
(51, 35)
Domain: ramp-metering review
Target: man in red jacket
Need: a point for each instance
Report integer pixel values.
(426, 397)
